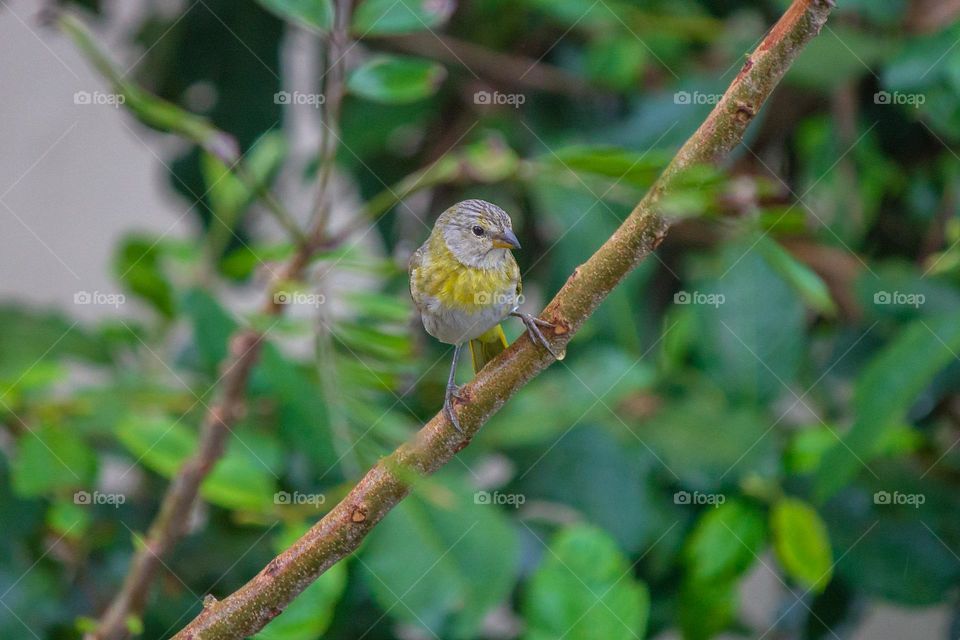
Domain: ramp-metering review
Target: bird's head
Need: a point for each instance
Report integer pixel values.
(478, 233)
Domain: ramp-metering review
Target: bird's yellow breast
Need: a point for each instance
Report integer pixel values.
(442, 276)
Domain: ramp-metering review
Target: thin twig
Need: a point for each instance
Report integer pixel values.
(333, 98)
(340, 532)
(270, 201)
(160, 114)
(508, 69)
(169, 526)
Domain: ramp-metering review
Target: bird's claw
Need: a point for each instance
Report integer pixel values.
(453, 393)
(533, 324)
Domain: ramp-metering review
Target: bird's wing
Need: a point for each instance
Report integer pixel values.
(413, 266)
(515, 273)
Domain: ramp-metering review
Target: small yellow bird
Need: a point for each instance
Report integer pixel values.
(464, 281)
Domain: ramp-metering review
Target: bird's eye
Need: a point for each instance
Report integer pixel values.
(478, 231)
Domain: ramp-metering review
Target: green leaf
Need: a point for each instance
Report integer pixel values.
(739, 442)
(489, 160)
(725, 542)
(35, 380)
(69, 519)
(801, 543)
(396, 80)
(241, 479)
(138, 267)
(616, 163)
(903, 552)
(752, 339)
(227, 192)
(578, 472)
(584, 590)
(30, 333)
(212, 326)
(303, 423)
(230, 196)
(706, 609)
(316, 14)
(827, 62)
(616, 61)
(806, 448)
(382, 17)
(885, 391)
(51, 458)
(444, 566)
(798, 275)
(554, 401)
(159, 443)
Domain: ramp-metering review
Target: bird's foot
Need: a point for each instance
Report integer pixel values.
(453, 393)
(533, 324)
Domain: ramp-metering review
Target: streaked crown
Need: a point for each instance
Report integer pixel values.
(478, 233)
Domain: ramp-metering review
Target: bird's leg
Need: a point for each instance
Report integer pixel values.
(533, 324)
(452, 391)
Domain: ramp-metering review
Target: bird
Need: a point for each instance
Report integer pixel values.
(464, 281)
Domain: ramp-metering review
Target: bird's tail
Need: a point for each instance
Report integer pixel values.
(487, 346)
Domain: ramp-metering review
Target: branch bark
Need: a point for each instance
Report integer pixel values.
(340, 532)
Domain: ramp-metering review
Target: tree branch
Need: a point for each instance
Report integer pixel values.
(169, 526)
(340, 532)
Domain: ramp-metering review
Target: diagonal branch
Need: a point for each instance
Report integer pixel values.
(340, 532)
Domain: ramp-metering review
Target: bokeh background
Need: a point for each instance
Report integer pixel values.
(755, 436)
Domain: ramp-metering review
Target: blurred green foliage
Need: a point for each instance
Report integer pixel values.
(777, 391)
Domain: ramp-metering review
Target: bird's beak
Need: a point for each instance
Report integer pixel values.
(506, 240)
